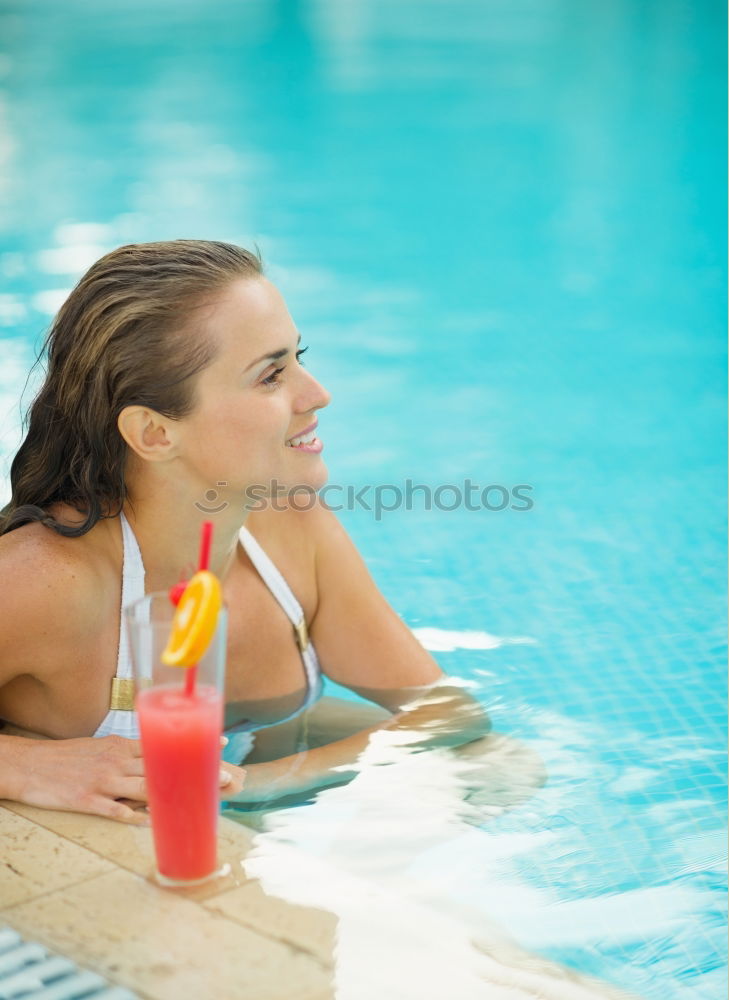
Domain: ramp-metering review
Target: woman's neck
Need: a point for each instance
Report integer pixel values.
(168, 534)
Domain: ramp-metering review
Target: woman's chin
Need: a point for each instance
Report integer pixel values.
(308, 487)
(311, 481)
(300, 488)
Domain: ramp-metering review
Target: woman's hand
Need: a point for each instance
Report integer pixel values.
(232, 779)
(87, 775)
(254, 783)
(103, 776)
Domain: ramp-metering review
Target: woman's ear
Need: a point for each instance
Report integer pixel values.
(149, 435)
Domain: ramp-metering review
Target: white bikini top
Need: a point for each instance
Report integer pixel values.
(121, 719)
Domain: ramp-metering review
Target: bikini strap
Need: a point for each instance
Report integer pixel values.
(122, 696)
(275, 582)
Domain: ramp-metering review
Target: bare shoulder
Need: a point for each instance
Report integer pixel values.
(50, 588)
(293, 538)
(33, 554)
(300, 526)
(307, 534)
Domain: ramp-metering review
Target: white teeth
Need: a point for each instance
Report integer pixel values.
(304, 439)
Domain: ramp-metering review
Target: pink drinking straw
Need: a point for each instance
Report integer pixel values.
(206, 538)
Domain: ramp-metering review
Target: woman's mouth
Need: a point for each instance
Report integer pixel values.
(306, 442)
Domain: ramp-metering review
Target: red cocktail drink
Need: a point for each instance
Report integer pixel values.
(181, 747)
(180, 732)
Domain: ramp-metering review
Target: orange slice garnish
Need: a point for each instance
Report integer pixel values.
(195, 619)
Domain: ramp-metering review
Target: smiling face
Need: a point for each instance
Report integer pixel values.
(255, 401)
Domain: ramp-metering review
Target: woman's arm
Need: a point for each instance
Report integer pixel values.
(49, 607)
(443, 717)
(362, 644)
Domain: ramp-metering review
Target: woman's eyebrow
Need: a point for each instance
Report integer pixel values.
(272, 356)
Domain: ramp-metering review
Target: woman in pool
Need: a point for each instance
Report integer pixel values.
(175, 375)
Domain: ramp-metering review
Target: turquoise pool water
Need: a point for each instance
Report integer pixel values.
(500, 227)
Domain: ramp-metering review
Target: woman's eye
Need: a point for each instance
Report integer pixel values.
(273, 378)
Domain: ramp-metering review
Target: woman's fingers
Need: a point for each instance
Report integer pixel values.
(125, 787)
(134, 787)
(232, 779)
(113, 809)
(101, 776)
(134, 767)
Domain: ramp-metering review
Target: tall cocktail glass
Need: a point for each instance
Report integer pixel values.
(180, 735)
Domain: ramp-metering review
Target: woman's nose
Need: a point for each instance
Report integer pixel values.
(313, 395)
